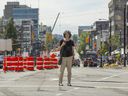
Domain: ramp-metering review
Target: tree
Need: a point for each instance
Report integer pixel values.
(81, 47)
(11, 33)
(115, 42)
(75, 38)
(105, 48)
(2, 33)
(49, 41)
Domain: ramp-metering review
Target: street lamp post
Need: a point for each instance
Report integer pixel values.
(120, 42)
(101, 65)
(124, 36)
(110, 47)
(127, 30)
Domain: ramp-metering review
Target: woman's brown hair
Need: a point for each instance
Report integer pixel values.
(67, 31)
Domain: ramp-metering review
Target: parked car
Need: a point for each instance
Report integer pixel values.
(89, 62)
(90, 59)
(76, 62)
(1, 60)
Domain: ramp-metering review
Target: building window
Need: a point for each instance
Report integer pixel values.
(26, 29)
(118, 17)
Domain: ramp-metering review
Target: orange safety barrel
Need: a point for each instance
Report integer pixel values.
(30, 63)
(39, 63)
(20, 65)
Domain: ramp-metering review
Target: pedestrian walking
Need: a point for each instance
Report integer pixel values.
(67, 53)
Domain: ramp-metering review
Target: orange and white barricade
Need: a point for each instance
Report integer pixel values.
(19, 66)
(25, 63)
(6, 63)
(54, 62)
(10, 63)
(39, 63)
(47, 63)
(30, 63)
(14, 62)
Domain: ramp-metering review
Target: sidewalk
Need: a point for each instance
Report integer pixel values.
(114, 66)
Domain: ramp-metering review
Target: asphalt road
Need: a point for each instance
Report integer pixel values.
(85, 82)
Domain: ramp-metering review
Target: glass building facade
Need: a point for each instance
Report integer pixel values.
(28, 13)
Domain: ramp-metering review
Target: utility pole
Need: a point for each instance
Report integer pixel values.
(127, 32)
(124, 35)
(101, 64)
(110, 29)
(120, 42)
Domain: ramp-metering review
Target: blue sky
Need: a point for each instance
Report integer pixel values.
(73, 12)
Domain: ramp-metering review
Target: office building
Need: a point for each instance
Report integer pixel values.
(116, 17)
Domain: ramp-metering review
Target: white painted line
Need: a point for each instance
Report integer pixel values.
(76, 88)
(59, 94)
(88, 82)
(112, 76)
(54, 79)
(26, 86)
(109, 87)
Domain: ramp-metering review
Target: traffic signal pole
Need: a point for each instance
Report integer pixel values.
(125, 36)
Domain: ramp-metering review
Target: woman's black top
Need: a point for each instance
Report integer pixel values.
(67, 50)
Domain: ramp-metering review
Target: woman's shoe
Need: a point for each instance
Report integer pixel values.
(69, 84)
(60, 84)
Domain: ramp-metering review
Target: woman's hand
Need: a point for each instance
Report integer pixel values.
(59, 48)
(63, 44)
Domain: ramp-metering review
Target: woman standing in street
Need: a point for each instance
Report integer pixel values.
(67, 53)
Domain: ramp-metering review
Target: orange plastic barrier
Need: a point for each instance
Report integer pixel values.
(54, 62)
(50, 63)
(19, 66)
(47, 63)
(12, 64)
(39, 63)
(30, 63)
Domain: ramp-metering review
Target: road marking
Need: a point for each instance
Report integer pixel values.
(112, 76)
(76, 88)
(54, 79)
(100, 87)
(26, 86)
(109, 87)
(59, 94)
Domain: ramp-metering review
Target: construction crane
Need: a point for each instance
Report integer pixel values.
(55, 21)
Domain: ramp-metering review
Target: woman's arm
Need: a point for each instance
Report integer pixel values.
(62, 43)
(73, 48)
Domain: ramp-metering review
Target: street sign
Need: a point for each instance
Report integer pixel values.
(5, 44)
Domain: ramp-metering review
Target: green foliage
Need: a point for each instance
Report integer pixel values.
(43, 48)
(11, 33)
(115, 42)
(104, 49)
(2, 33)
(82, 43)
(75, 38)
(55, 41)
(118, 56)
